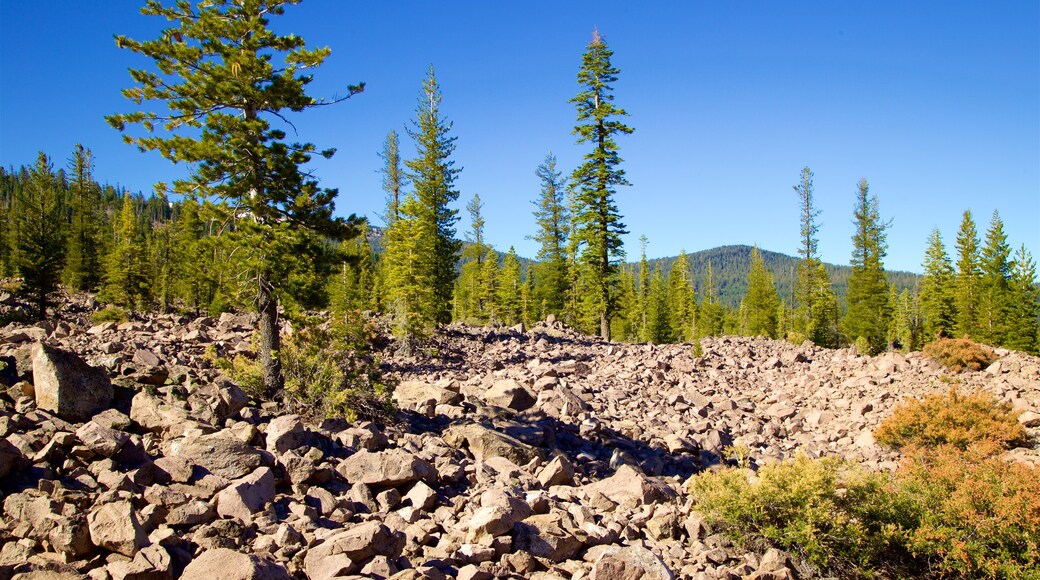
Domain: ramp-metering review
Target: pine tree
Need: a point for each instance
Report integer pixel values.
(408, 279)
(127, 281)
(599, 227)
(760, 304)
(1023, 324)
(682, 310)
(394, 178)
(471, 303)
(937, 300)
(489, 276)
(551, 275)
(711, 314)
(814, 299)
(510, 289)
(906, 324)
(869, 309)
(995, 269)
(433, 175)
(966, 297)
(643, 293)
(39, 243)
(626, 324)
(658, 328)
(83, 267)
(225, 78)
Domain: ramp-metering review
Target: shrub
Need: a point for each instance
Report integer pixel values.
(958, 354)
(979, 515)
(954, 418)
(330, 370)
(832, 514)
(110, 314)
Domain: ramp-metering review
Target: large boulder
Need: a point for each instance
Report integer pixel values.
(385, 468)
(216, 401)
(219, 453)
(286, 432)
(630, 563)
(116, 527)
(484, 443)
(67, 386)
(11, 458)
(153, 414)
(628, 483)
(102, 440)
(341, 553)
(225, 564)
(408, 394)
(510, 394)
(247, 495)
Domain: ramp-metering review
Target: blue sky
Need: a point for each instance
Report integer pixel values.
(937, 104)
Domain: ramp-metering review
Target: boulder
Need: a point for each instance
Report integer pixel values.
(153, 414)
(286, 432)
(383, 468)
(510, 394)
(484, 443)
(219, 453)
(628, 483)
(217, 401)
(559, 471)
(11, 458)
(408, 394)
(630, 563)
(115, 526)
(226, 564)
(151, 563)
(102, 440)
(342, 552)
(247, 495)
(68, 386)
(542, 536)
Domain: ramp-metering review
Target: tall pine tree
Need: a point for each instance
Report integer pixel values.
(682, 310)
(994, 291)
(551, 279)
(869, 311)
(39, 248)
(598, 222)
(226, 78)
(814, 300)
(83, 267)
(127, 280)
(394, 178)
(937, 303)
(759, 308)
(966, 295)
(1023, 325)
(433, 175)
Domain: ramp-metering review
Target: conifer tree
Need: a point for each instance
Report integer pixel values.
(682, 309)
(39, 243)
(1023, 324)
(937, 299)
(995, 270)
(966, 296)
(551, 275)
(433, 175)
(711, 314)
(394, 178)
(470, 302)
(905, 326)
(760, 304)
(598, 222)
(408, 280)
(225, 78)
(869, 311)
(510, 289)
(83, 267)
(126, 269)
(814, 299)
(627, 324)
(489, 279)
(643, 292)
(659, 329)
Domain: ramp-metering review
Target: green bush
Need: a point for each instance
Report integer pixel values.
(331, 370)
(958, 354)
(110, 314)
(834, 515)
(954, 418)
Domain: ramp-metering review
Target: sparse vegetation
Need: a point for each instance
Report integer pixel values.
(955, 418)
(110, 314)
(958, 354)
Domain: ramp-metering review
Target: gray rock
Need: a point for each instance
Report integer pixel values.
(219, 453)
(247, 495)
(68, 386)
(115, 526)
(630, 563)
(104, 441)
(226, 564)
(342, 552)
(391, 467)
(286, 432)
(510, 394)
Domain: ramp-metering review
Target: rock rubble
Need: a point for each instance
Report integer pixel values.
(521, 453)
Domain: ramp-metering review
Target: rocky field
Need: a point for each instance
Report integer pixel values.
(519, 453)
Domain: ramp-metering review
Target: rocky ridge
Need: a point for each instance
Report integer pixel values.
(521, 453)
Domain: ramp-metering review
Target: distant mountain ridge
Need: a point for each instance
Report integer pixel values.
(731, 265)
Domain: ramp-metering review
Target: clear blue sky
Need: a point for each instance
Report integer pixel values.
(937, 104)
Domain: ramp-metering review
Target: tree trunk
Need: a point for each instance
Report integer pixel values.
(604, 326)
(270, 341)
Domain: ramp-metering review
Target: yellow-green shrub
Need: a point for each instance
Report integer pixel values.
(979, 515)
(954, 418)
(110, 314)
(958, 354)
(834, 515)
